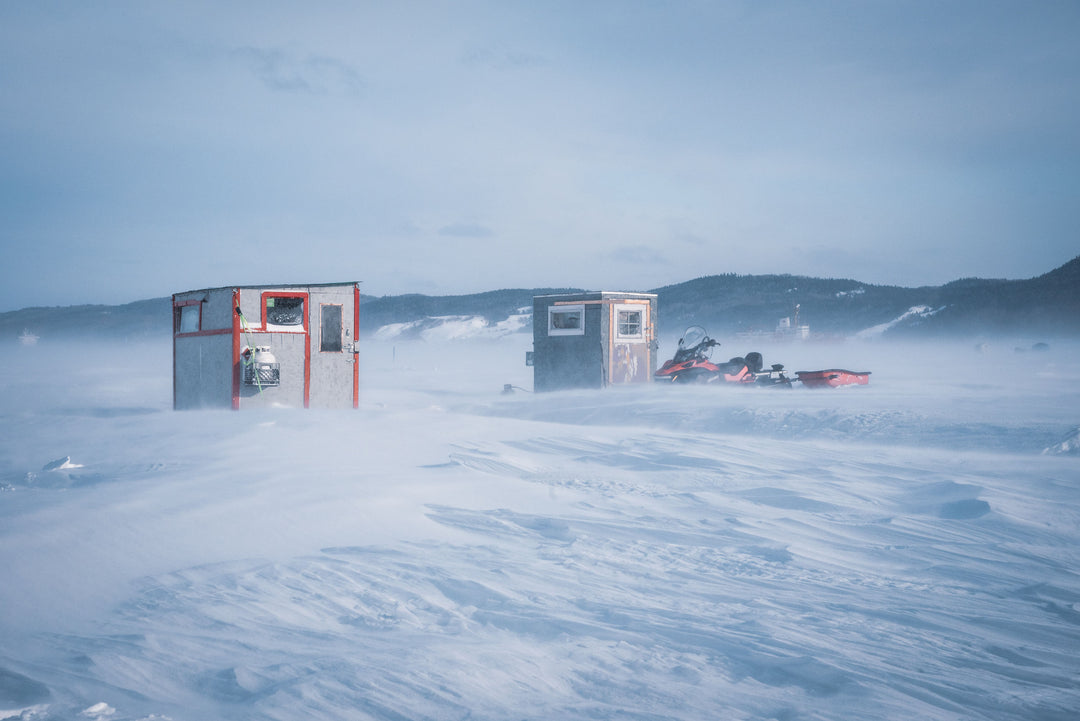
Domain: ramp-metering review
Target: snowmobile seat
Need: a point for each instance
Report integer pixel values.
(754, 362)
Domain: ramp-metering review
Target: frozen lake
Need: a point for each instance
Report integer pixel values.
(896, 551)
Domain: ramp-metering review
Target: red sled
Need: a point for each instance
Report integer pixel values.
(832, 378)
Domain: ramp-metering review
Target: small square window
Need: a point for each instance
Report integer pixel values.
(287, 312)
(629, 324)
(566, 320)
(187, 318)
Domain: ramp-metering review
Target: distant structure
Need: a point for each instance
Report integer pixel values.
(789, 328)
(266, 346)
(592, 340)
(28, 338)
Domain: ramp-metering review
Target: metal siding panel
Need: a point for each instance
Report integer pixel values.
(218, 310)
(203, 372)
(288, 350)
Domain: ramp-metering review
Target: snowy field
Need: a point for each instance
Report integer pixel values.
(904, 550)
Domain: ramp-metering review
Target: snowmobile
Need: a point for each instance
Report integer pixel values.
(693, 363)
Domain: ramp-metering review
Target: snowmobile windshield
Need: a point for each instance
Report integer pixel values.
(693, 337)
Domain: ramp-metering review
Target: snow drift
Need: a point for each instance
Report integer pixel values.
(895, 551)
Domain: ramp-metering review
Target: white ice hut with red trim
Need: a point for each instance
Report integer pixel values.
(267, 346)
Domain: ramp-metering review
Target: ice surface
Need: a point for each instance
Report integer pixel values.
(895, 551)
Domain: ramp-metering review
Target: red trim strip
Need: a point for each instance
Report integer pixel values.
(356, 355)
(307, 361)
(237, 368)
(174, 355)
(306, 331)
(217, 331)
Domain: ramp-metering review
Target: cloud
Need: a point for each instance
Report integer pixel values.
(638, 254)
(502, 59)
(466, 230)
(893, 145)
(317, 74)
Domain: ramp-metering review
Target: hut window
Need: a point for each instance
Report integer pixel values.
(287, 312)
(566, 320)
(187, 318)
(330, 329)
(629, 324)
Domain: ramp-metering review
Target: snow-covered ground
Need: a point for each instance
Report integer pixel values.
(904, 550)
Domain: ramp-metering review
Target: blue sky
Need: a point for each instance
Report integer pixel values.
(453, 147)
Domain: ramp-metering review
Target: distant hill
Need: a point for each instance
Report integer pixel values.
(1047, 305)
(131, 321)
(493, 306)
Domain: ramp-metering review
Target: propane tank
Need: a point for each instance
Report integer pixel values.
(261, 367)
(263, 356)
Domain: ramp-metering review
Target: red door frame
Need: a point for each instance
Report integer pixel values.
(355, 348)
(237, 331)
(237, 364)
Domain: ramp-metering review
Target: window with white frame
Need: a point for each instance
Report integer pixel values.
(628, 324)
(566, 320)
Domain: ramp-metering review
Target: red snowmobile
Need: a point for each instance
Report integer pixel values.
(693, 364)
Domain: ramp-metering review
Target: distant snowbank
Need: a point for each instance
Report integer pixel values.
(1069, 445)
(454, 327)
(464, 327)
(918, 311)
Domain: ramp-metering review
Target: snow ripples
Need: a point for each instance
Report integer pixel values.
(891, 553)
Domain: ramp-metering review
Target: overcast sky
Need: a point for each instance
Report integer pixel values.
(148, 148)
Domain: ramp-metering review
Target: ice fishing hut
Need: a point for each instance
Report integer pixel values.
(267, 346)
(592, 340)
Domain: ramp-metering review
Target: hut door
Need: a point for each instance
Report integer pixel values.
(332, 361)
(631, 332)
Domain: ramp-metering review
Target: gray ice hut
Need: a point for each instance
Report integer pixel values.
(592, 340)
(266, 346)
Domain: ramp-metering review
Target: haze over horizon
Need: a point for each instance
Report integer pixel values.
(444, 150)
